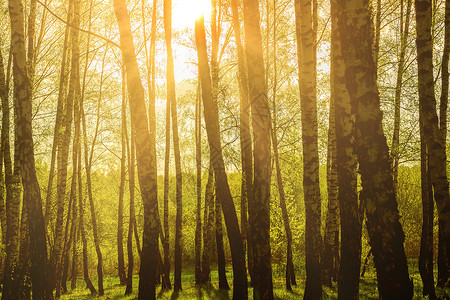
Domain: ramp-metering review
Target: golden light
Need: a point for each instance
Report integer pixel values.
(185, 12)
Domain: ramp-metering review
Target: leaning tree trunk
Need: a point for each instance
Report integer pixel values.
(223, 190)
(385, 231)
(32, 196)
(350, 219)
(434, 141)
(307, 85)
(258, 206)
(145, 156)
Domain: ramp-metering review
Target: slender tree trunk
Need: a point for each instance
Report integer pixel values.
(385, 231)
(4, 97)
(145, 156)
(59, 119)
(63, 150)
(346, 166)
(332, 218)
(290, 274)
(398, 90)
(199, 278)
(376, 43)
(426, 240)
(132, 184)
(10, 223)
(223, 189)
(223, 282)
(75, 232)
(120, 255)
(208, 225)
(307, 84)
(176, 145)
(66, 250)
(166, 195)
(245, 135)
(443, 268)
(23, 281)
(88, 156)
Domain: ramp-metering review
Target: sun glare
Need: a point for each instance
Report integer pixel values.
(185, 12)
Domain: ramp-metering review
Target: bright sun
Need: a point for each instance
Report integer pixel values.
(185, 12)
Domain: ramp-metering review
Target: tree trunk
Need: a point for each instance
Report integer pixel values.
(131, 168)
(63, 150)
(208, 225)
(10, 212)
(443, 268)
(385, 231)
(23, 281)
(258, 206)
(332, 217)
(245, 135)
(120, 255)
(426, 240)
(346, 166)
(166, 196)
(145, 156)
(398, 90)
(88, 157)
(32, 196)
(59, 119)
(290, 274)
(199, 279)
(223, 282)
(176, 145)
(307, 85)
(66, 250)
(223, 189)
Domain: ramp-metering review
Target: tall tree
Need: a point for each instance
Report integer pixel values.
(404, 32)
(199, 278)
(290, 274)
(259, 215)
(176, 144)
(88, 155)
(306, 52)
(385, 231)
(32, 196)
(211, 115)
(120, 258)
(245, 135)
(208, 223)
(145, 157)
(63, 147)
(131, 170)
(346, 167)
(443, 269)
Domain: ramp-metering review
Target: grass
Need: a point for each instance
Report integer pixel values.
(113, 291)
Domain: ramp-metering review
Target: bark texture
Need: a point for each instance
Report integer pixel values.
(385, 231)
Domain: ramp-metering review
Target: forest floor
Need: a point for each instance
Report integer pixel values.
(114, 291)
